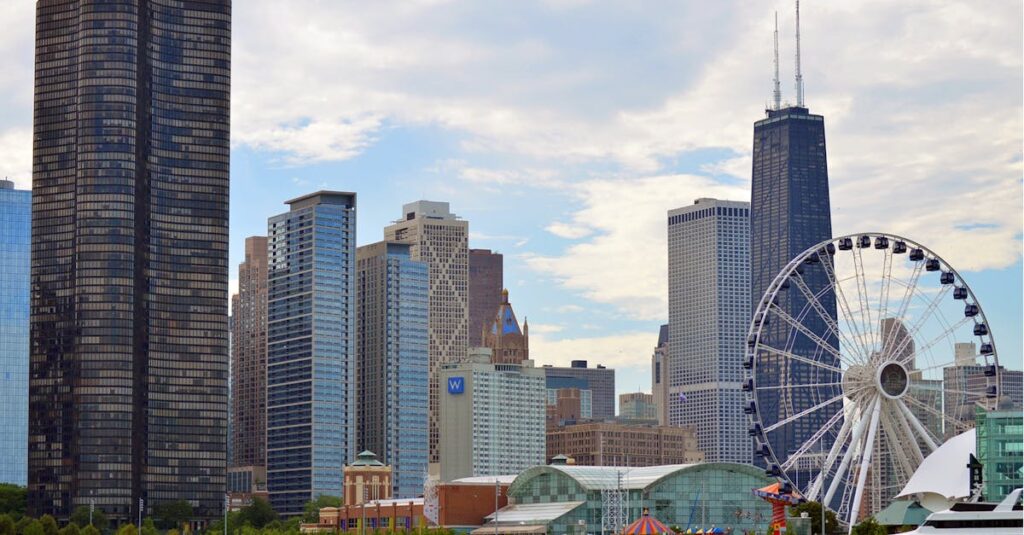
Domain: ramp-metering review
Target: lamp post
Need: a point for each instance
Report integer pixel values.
(497, 492)
(92, 507)
(142, 504)
(227, 505)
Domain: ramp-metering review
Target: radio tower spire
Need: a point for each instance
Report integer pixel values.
(777, 93)
(799, 76)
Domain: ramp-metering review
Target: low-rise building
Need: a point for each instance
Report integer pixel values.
(1000, 446)
(618, 444)
(367, 479)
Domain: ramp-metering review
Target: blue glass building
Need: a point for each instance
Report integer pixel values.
(789, 213)
(310, 348)
(393, 351)
(15, 237)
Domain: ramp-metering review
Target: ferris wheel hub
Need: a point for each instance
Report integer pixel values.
(892, 380)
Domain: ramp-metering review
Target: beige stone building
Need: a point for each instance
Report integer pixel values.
(616, 444)
(441, 240)
(367, 479)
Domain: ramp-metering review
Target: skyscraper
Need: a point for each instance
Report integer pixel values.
(659, 375)
(441, 240)
(485, 285)
(311, 362)
(599, 380)
(708, 318)
(249, 358)
(15, 236)
(789, 213)
(129, 323)
(391, 344)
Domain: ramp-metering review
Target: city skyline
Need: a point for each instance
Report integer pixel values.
(884, 123)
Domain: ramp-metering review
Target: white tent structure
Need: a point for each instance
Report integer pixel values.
(943, 478)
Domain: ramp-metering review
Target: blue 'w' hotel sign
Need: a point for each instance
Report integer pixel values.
(456, 385)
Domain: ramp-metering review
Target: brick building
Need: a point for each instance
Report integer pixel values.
(616, 444)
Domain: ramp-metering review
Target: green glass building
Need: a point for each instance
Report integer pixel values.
(570, 499)
(1000, 449)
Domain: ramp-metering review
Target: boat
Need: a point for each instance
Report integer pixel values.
(1003, 518)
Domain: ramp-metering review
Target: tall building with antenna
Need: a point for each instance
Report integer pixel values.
(789, 213)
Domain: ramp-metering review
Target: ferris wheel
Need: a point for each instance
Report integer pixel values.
(864, 355)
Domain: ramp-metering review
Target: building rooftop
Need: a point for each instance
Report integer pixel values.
(486, 480)
(533, 512)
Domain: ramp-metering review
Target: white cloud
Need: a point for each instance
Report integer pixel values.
(568, 231)
(16, 156)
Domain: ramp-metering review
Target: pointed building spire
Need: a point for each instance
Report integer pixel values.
(777, 92)
(799, 75)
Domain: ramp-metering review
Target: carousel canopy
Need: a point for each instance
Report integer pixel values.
(646, 525)
(774, 492)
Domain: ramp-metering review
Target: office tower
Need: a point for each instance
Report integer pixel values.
(129, 321)
(622, 444)
(600, 381)
(998, 446)
(965, 353)
(659, 376)
(637, 406)
(789, 213)
(567, 406)
(391, 346)
(492, 417)
(311, 359)
(508, 343)
(486, 280)
(440, 239)
(15, 237)
(249, 358)
(708, 318)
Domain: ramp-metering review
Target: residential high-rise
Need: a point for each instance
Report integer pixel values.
(789, 213)
(15, 237)
(129, 322)
(508, 343)
(311, 358)
(659, 376)
(486, 281)
(441, 240)
(492, 417)
(249, 358)
(708, 318)
(391, 345)
(599, 380)
(637, 406)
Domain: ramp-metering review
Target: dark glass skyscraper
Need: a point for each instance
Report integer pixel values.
(129, 325)
(789, 213)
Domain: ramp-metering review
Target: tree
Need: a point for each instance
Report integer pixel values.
(90, 530)
(312, 515)
(148, 528)
(7, 525)
(13, 500)
(49, 525)
(127, 529)
(70, 529)
(80, 516)
(868, 527)
(258, 514)
(22, 523)
(813, 510)
(172, 514)
(172, 531)
(34, 527)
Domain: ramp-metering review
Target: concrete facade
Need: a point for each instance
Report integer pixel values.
(616, 444)
(249, 358)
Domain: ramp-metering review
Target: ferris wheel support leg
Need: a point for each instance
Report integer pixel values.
(909, 434)
(819, 482)
(865, 463)
(917, 425)
(848, 455)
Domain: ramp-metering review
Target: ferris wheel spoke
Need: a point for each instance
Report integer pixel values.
(935, 366)
(811, 441)
(895, 442)
(929, 311)
(865, 460)
(803, 413)
(844, 305)
(794, 323)
(883, 294)
(955, 424)
(851, 448)
(830, 322)
(929, 440)
(908, 294)
(908, 435)
(862, 296)
(833, 452)
(945, 390)
(798, 358)
(785, 387)
(945, 335)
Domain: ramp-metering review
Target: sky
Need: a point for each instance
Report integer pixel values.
(563, 130)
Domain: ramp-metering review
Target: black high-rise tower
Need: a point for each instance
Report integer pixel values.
(129, 327)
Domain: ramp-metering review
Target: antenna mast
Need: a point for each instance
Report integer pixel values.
(799, 76)
(777, 93)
